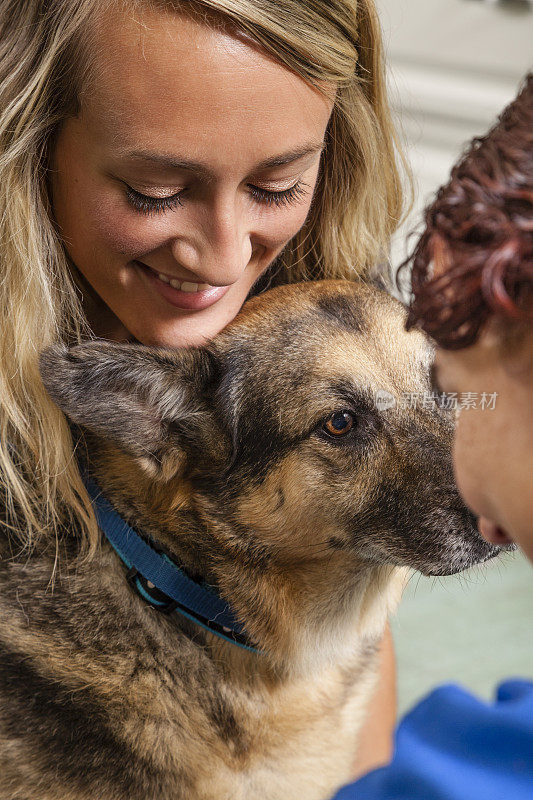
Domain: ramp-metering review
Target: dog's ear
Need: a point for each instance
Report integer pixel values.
(151, 401)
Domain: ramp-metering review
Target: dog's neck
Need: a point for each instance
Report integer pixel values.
(305, 617)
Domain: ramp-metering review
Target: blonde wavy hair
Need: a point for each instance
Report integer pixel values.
(45, 63)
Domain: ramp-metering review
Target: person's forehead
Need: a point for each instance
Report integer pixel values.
(159, 70)
(482, 356)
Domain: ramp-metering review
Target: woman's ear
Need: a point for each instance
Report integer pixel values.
(150, 401)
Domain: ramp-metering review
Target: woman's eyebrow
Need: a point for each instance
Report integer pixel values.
(171, 162)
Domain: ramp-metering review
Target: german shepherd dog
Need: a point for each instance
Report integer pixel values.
(261, 464)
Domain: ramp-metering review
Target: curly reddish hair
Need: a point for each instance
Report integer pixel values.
(474, 260)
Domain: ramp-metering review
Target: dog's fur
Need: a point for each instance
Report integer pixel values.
(219, 454)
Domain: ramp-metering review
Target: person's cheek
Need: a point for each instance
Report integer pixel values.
(121, 231)
(465, 460)
(276, 226)
(281, 231)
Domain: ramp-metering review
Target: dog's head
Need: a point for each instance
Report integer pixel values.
(295, 432)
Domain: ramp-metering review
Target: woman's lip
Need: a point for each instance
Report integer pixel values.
(190, 301)
(492, 533)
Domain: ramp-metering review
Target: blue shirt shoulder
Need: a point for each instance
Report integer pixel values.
(453, 746)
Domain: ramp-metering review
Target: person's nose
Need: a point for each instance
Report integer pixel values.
(218, 247)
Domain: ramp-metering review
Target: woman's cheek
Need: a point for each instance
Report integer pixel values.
(275, 238)
(123, 232)
(276, 227)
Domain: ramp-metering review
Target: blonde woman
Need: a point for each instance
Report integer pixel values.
(159, 162)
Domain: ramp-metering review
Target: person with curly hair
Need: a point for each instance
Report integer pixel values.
(472, 284)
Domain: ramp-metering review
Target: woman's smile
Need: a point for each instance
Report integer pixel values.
(181, 294)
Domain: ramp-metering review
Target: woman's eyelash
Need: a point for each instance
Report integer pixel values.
(158, 205)
(152, 205)
(284, 198)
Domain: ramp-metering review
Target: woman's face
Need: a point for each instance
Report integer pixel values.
(194, 157)
(493, 449)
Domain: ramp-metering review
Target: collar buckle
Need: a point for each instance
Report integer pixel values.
(150, 593)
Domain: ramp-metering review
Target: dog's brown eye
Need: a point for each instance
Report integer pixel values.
(339, 424)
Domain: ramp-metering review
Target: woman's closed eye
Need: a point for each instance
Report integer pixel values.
(144, 204)
(280, 198)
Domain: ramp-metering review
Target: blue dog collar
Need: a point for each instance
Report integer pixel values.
(159, 581)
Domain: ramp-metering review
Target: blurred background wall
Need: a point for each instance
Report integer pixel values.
(453, 66)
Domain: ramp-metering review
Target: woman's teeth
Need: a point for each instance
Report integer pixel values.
(184, 286)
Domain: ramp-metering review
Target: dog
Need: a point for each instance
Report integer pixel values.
(260, 465)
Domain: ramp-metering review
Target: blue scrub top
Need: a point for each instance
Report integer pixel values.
(453, 746)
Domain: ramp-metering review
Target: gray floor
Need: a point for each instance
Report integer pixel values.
(474, 629)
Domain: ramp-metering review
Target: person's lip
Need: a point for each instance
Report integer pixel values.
(492, 533)
(190, 301)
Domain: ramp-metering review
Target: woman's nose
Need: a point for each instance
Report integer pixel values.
(218, 251)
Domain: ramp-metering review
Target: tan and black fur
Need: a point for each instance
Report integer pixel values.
(220, 456)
